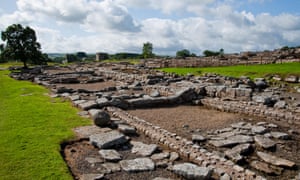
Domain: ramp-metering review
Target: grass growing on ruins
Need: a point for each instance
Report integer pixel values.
(32, 126)
(252, 71)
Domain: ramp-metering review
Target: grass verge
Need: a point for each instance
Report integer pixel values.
(32, 126)
(252, 71)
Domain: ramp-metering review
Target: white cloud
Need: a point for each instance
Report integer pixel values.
(108, 25)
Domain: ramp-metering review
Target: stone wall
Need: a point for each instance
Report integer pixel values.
(254, 109)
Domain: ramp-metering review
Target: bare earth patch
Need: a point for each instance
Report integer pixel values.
(183, 120)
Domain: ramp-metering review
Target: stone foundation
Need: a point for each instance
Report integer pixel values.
(253, 109)
(185, 148)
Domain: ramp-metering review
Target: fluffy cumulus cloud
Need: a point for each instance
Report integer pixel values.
(109, 25)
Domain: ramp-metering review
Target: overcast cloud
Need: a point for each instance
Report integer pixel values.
(114, 25)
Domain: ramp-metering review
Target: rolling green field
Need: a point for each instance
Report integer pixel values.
(252, 71)
(32, 126)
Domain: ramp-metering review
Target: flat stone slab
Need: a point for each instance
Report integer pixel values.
(192, 171)
(275, 160)
(198, 138)
(92, 176)
(231, 141)
(87, 105)
(235, 154)
(280, 135)
(143, 149)
(259, 129)
(110, 155)
(108, 140)
(111, 167)
(137, 165)
(264, 142)
(126, 129)
(160, 156)
(266, 168)
(87, 131)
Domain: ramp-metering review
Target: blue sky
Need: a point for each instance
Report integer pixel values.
(170, 25)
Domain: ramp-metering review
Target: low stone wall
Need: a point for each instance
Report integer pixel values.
(185, 148)
(253, 109)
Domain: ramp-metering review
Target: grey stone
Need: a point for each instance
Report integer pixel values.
(261, 84)
(108, 139)
(85, 132)
(100, 117)
(234, 156)
(259, 129)
(235, 153)
(198, 138)
(280, 105)
(155, 93)
(83, 114)
(264, 100)
(111, 167)
(161, 178)
(110, 155)
(74, 97)
(233, 140)
(291, 79)
(93, 160)
(102, 102)
(88, 105)
(264, 142)
(173, 156)
(275, 160)
(137, 165)
(160, 156)
(238, 125)
(225, 176)
(266, 168)
(143, 149)
(92, 176)
(280, 135)
(126, 129)
(271, 125)
(192, 171)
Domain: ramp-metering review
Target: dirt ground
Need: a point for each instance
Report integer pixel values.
(184, 120)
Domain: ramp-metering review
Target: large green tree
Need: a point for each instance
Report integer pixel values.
(147, 50)
(21, 44)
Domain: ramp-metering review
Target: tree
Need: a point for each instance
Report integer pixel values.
(147, 50)
(81, 55)
(21, 44)
(183, 53)
(209, 53)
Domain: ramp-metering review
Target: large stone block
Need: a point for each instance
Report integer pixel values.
(108, 139)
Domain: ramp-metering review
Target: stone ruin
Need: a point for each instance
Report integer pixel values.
(242, 150)
(244, 58)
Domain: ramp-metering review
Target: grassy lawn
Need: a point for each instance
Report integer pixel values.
(237, 71)
(32, 126)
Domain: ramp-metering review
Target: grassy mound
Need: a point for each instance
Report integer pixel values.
(32, 126)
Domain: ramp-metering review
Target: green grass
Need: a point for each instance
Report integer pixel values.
(132, 61)
(251, 71)
(32, 126)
